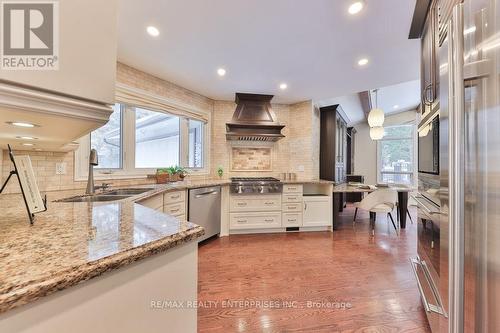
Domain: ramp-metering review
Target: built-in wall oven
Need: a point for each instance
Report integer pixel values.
(427, 265)
(428, 144)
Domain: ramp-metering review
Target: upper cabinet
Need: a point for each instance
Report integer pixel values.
(86, 53)
(428, 25)
(74, 96)
(429, 65)
(333, 144)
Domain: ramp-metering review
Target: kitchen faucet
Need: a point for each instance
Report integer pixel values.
(93, 161)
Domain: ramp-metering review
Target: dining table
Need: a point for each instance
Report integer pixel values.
(402, 190)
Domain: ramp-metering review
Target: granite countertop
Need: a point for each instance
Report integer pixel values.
(346, 188)
(75, 242)
(308, 181)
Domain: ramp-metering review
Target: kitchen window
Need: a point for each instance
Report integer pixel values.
(396, 155)
(136, 141)
(107, 140)
(195, 151)
(157, 139)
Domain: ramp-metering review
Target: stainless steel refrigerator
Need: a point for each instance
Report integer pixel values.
(469, 63)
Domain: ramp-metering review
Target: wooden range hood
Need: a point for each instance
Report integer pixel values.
(254, 119)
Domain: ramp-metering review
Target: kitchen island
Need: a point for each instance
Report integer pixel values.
(97, 267)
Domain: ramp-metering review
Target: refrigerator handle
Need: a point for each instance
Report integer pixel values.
(428, 306)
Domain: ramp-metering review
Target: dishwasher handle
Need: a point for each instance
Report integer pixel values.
(213, 192)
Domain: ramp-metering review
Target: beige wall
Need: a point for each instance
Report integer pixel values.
(299, 150)
(365, 158)
(365, 154)
(294, 153)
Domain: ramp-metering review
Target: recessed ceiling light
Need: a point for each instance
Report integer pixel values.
(283, 86)
(355, 7)
(221, 71)
(153, 31)
(21, 124)
(26, 137)
(363, 62)
(27, 144)
(396, 106)
(470, 30)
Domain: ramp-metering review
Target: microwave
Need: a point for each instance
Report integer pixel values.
(428, 145)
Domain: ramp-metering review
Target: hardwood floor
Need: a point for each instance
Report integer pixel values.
(344, 281)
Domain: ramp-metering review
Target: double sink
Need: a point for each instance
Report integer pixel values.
(113, 195)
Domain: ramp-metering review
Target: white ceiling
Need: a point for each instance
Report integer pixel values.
(313, 46)
(351, 105)
(406, 96)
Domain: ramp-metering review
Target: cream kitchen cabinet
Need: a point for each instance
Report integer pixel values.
(155, 202)
(171, 203)
(317, 211)
(259, 220)
(255, 203)
(291, 219)
(254, 211)
(87, 54)
(293, 188)
(292, 205)
(174, 203)
(70, 102)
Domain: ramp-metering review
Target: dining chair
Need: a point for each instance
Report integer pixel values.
(379, 201)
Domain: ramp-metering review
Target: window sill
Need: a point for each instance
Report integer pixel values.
(112, 177)
(125, 176)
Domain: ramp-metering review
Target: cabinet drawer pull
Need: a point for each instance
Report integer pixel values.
(292, 220)
(292, 188)
(174, 210)
(241, 203)
(269, 220)
(269, 203)
(292, 198)
(241, 221)
(175, 196)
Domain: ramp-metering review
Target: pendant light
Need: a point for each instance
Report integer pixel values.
(376, 115)
(376, 133)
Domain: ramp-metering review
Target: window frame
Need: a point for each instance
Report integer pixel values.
(413, 138)
(128, 169)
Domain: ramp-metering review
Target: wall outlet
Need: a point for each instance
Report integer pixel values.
(61, 168)
(300, 168)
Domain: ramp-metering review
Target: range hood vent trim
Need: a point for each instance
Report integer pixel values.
(254, 119)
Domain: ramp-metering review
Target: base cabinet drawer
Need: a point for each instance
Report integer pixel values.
(254, 220)
(292, 207)
(291, 219)
(292, 188)
(154, 202)
(292, 197)
(173, 197)
(255, 203)
(175, 209)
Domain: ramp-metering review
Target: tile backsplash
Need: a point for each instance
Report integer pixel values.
(251, 159)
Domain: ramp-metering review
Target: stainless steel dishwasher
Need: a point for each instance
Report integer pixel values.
(204, 209)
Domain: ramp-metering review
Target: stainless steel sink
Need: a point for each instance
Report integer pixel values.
(95, 198)
(118, 194)
(127, 191)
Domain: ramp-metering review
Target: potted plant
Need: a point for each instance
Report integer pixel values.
(170, 174)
